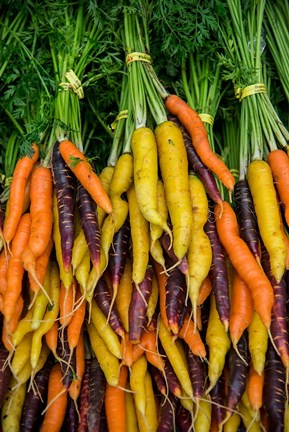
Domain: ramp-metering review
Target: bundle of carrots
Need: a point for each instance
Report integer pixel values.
(150, 297)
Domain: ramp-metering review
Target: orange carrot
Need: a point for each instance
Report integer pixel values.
(66, 303)
(255, 385)
(4, 259)
(205, 290)
(195, 126)
(40, 210)
(13, 322)
(279, 164)
(56, 402)
(241, 310)
(75, 386)
(192, 337)
(82, 169)
(115, 404)
(75, 326)
(149, 344)
(244, 262)
(41, 264)
(21, 174)
(51, 338)
(15, 270)
(162, 280)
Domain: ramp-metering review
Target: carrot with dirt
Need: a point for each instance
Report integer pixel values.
(20, 177)
(64, 185)
(195, 127)
(244, 262)
(263, 192)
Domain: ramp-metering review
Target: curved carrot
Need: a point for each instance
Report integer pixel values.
(194, 125)
(244, 262)
(279, 164)
(192, 337)
(82, 169)
(21, 174)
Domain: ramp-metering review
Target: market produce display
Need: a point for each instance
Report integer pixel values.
(144, 216)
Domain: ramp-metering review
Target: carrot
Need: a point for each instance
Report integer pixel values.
(192, 337)
(262, 188)
(244, 262)
(96, 395)
(84, 398)
(12, 406)
(241, 311)
(174, 171)
(279, 164)
(75, 325)
(175, 297)
(123, 297)
(4, 259)
(139, 236)
(51, 338)
(137, 383)
(64, 185)
(199, 251)
(218, 398)
(162, 281)
(218, 343)
(40, 210)
(196, 128)
(82, 169)
(258, 343)
(5, 372)
(15, 270)
(12, 324)
(167, 413)
(115, 403)
(155, 230)
(56, 402)
(205, 290)
(149, 421)
(105, 178)
(203, 416)
(21, 173)
(75, 386)
(149, 344)
(41, 264)
(255, 385)
(145, 161)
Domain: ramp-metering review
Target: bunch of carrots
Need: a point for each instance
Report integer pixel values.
(140, 299)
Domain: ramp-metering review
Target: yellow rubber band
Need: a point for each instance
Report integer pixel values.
(250, 90)
(235, 172)
(138, 56)
(74, 84)
(121, 115)
(207, 118)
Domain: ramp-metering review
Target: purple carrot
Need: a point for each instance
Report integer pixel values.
(176, 292)
(158, 379)
(71, 416)
(64, 185)
(197, 372)
(184, 419)
(279, 330)
(195, 163)
(167, 414)
(165, 242)
(138, 306)
(170, 376)
(84, 398)
(274, 391)
(97, 386)
(5, 372)
(118, 253)
(246, 215)
(89, 222)
(103, 298)
(218, 397)
(238, 363)
(218, 272)
(35, 398)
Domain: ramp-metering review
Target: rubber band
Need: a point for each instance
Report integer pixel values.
(250, 90)
(5, 181)
(138, 56)
(74, 84)
(207, 118)
(121, 115)
(235, 172)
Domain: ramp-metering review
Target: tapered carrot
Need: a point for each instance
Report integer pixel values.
(66, 304)
(40, 210)
(56, 402)
(41, 264)
(192, 337)
(279, 164)
(115, 404)
(75, 386)
(75, 325)
(82, 169)
(244, 262)
(195, 126)
(21, 174)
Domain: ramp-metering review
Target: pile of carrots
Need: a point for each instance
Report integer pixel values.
(150, 297)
